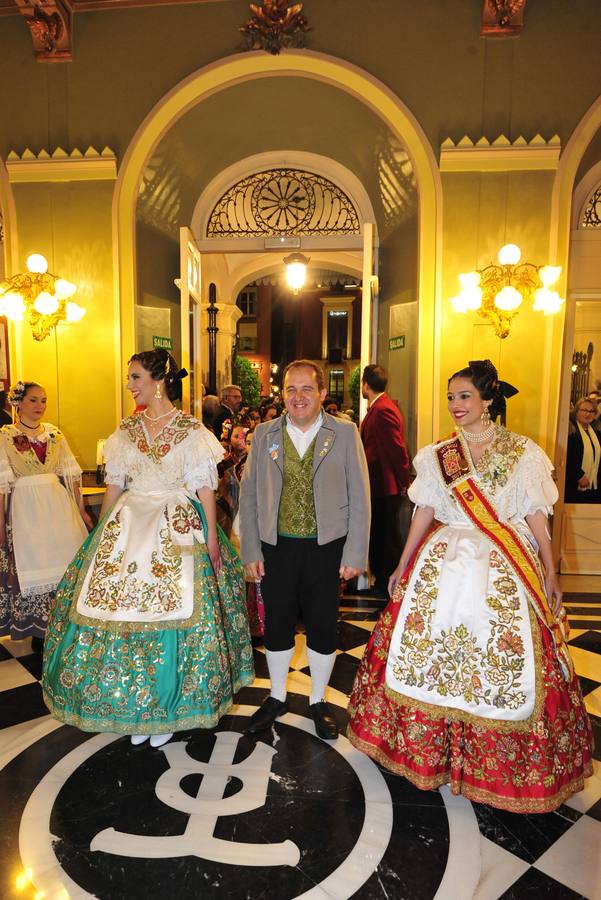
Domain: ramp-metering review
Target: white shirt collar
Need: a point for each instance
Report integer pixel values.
(377, 397)
(302, 439)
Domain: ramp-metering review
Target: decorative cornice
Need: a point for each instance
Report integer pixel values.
(502, 18)
(49, 23)
(61, 166)
(501, 155)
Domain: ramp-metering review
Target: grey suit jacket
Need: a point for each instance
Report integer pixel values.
(340, 490)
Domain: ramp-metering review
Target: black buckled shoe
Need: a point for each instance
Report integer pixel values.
(270, 710)
(325, 723)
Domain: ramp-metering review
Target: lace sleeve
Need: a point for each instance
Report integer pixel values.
(202, 455)
(115, 459)
(66, 464)
(7, 477)
(535, 488)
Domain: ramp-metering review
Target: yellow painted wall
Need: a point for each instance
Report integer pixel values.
(70, 224)
(483, 211)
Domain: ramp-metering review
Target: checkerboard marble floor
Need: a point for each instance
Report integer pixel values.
(437, 845)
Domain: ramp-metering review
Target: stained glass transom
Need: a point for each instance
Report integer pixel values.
(283, 201)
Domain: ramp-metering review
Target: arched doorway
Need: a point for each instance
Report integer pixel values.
(212, 80)
(577, 530)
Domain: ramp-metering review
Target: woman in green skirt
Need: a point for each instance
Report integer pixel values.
(149, 632)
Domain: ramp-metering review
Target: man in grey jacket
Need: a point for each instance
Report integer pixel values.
(304, 524)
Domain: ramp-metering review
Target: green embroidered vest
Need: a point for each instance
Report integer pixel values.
(296, 516)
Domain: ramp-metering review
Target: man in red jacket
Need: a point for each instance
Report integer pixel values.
(383, 436)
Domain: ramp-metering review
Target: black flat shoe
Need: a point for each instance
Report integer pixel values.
(325, 724)
(265, 716)
(37, 645)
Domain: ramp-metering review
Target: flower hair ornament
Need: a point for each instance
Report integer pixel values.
(16, 393)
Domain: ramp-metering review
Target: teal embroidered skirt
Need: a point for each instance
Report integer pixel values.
(150, 681)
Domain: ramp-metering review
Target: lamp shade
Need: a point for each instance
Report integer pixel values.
(37, 263)
(509, 255)
(508, 298)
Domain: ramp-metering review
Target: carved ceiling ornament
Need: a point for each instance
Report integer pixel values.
(502, 18)
(274, 25)
(49, 23)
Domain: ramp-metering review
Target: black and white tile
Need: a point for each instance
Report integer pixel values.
(216, 813)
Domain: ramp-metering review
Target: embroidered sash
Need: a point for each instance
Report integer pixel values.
(457, 473)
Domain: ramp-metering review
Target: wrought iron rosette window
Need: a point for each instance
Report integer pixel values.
(283, 201)
(592, 213)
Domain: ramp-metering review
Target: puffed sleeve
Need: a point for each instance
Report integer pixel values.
(535, 488)
(115, 454)
(7, 476)
(66, 464)
(203, 452)
(425, 490)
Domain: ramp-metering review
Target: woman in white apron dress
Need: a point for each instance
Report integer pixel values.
(42, 519)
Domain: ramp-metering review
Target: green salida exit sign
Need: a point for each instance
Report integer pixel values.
(162, 343)
(397, 343)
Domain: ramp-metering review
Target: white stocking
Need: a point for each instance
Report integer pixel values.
(278, 663)
(321, 665)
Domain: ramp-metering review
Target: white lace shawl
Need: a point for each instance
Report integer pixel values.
(529, 488)
(190, 464)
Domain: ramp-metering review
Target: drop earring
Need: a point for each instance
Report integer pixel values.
(485, 417)
(157, 393)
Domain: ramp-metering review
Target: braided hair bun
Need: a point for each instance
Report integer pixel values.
(483, 375)
(162, 366)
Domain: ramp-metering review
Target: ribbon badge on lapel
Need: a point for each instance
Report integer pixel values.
(273, 451)
(326, 447)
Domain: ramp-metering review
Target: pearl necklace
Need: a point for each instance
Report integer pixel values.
(156, 418)
(481, 436)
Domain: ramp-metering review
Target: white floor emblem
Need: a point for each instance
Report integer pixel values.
(204, 809)
(36, 841)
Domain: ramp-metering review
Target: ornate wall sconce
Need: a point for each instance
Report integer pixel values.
(497, 291)
(296, 270)
(41, 298)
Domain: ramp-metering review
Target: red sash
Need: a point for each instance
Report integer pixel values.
(457, 473)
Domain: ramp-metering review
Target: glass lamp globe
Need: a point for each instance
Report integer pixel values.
(37, 264)
(74, 312)
(509, 255)
(45, 304)
(508, 299)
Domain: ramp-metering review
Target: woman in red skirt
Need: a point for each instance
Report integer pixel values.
(467, 678)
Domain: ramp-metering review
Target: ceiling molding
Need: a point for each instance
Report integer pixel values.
(61, 166)
(501, 155)
(10, 8)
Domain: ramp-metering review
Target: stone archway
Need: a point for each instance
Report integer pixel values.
(348, 78)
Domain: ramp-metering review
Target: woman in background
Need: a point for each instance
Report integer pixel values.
(584, 453)
(149, 633)
(46, 521)
(230, 472)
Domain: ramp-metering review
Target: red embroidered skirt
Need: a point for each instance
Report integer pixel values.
(531, 771)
